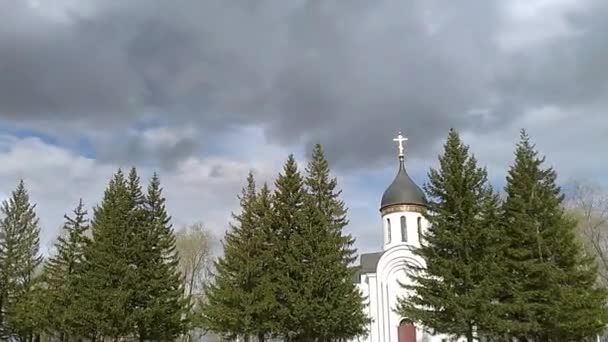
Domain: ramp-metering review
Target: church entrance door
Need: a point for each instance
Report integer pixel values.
(407, 332)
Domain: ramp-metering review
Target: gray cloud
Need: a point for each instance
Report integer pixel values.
(344, 73)
(568, 71)
(133, 151)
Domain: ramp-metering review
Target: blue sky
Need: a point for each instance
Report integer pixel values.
(204, 91)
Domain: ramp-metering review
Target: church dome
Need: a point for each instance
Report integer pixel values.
(403, 190)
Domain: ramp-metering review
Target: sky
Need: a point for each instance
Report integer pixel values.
(205, 91)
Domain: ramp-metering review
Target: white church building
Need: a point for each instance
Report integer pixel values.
(380, 274)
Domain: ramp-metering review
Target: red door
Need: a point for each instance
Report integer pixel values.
(407, 332)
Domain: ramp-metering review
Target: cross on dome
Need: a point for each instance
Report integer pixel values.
(400, 139)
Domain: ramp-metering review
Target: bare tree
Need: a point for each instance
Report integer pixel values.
(194, 245)
(590, 205)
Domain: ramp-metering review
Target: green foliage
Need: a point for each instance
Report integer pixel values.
(19, 258)
(104, 292)
(266, 310)
(285, 270)
(130, 285)
(241, 299)
(288, 227)
(28, 318)
(550, 287)
(160, 306)
(511, 270)
(63, 270)
(332, 306)
(453, 293)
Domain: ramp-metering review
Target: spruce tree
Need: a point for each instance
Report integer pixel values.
(453, 292)
(105, 291)
(265, 306)
(19, 258)
(335, 307)
(288, 240)
(139, 232)
(550, 290)
(28, 318)
(240, 301)
(162, 308)
(63, 270)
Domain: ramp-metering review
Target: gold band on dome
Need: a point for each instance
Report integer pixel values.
(403, 207)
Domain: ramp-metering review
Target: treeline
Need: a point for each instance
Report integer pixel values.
(112, 277)
(286, 269)
(496, 268)
(503, 269)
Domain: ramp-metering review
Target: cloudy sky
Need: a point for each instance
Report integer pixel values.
(203, 91)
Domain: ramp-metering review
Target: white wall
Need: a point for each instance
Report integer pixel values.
(411, 220)
(383, 288)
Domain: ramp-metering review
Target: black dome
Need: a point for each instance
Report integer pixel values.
(403, 190)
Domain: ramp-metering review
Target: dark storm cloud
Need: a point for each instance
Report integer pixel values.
(136, 149)
(571, 71)
(348, 74)
(60, 70)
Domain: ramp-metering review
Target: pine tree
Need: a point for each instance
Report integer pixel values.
(289, 235)
(162, 308)
(19, 258)
(265, 306)
(63, 270)
(550, 290)
(105, 290)
(28, 317)
(240, 301)
(453, 292)
(335, 304)
(225, 305)
(139, 232)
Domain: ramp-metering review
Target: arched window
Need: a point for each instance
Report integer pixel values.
(419, 227)
(403, 229)
(388, 230)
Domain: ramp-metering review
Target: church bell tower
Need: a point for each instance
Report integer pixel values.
(402, 208)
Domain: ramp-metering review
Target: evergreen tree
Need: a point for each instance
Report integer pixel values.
(130, 286)
(289, 234)
(162, 308)
(264, 311)
(224, 308)
(28, 317)
(453, 292)
(240, 301)
(140, 234)
(335, 307)
(63, 270)
(550, 290)
(104, 293)
(19, 258)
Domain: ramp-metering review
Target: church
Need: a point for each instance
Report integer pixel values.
(380, 274)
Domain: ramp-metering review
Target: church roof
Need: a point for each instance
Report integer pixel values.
(403, 190)
(368, 263)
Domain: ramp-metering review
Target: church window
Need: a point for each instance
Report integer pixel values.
(419, 226)
(388, 230)
(403, 229)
